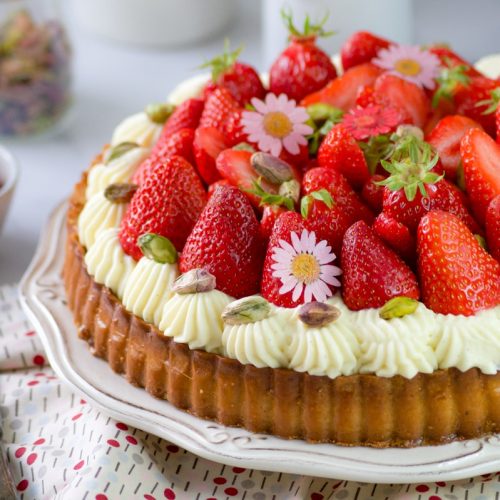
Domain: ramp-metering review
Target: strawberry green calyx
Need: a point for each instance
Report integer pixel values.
(120, 192)
(492, 103)
(159, 112)
(410, 166)
(266, 198)
(322, 118)
(310, 30)
(157, 248)
(448, 80)
(244, 146)
(320, 195)
(119, 150)
(377, 148)
(398, 307)
(482, 241)
(222, 63)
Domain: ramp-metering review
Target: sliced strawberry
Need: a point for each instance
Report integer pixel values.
(457, 275)
(373, 273)
(395, 235)
(167, 203)
(226, 242)
(481, 162)
(208, 144)
(493, 227)
(340, 152)
(361, 47)
(219, 105)
(340, 190)
(342, 92)
(186, 115)
(373, 194)
(406, 96)
(446, 137)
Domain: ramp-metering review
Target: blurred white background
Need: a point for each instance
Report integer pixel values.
(113, 80)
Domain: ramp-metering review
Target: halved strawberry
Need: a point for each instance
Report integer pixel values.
(361, 47)
(373, 273)
(340, 190)
(457, 275)
(481, 161)
(446, 137)
(342, 92)
(186, 115)
(395, 235)
(208, 144)
(219, 104)
(406, 96)
(340, 152)
(493, 227)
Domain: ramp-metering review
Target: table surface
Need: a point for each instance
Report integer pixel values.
(112, 81)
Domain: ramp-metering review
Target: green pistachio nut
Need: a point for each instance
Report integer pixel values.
(318, 314)
(398, 307)
(157, 248)
(194, 281)
(246, 310)
(159, 112)
(119, 150)
(271, 168)
(290, 189)
(120, 192)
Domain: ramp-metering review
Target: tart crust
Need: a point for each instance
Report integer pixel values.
(360, 409)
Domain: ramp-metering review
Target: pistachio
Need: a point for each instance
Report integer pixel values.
(120, 150)
(194, 281)
(318, 314)
(246, 310)
(397, 307)
(290, 189)
(159, 112)
(404, 130)
(157, 248)
(273, 169)
(120, 192)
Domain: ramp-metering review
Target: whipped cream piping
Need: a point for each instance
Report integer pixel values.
(137, 128)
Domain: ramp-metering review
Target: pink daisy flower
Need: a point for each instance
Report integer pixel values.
(411, 63)
(277, 123)
(373, 120)
(304, 266)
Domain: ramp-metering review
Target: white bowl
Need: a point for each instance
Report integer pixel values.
(8, 177)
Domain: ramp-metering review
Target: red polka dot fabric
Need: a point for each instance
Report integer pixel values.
(58, 446)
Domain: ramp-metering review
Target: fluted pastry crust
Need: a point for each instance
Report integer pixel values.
(361, 409)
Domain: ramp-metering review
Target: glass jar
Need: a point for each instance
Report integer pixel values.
(35, 66)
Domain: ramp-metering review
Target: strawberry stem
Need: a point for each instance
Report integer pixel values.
(491, 103)
(448, 80)
(269, 198)
(310, 30)
(222, 63)
(321, 195)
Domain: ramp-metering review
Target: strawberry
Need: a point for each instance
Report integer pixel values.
(445, 137)
(226, 242)
(373, 273)
(270, 214)
(413, 188)
(186, 115)
(342, 92)
(208, 143)
(302, 68)
(213, 187)
(481, 162)
(241, 80)
(366, 97)
(471, 99)
(219, 104)
(396, 236)
(340, 190)
(493, 227)
(450, 58)
(233, 129)
(373, 194)
(404, 95)
(167, 203)
(361, 47)
(340, 152)
(457, 275)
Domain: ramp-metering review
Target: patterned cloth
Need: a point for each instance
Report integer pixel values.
(59, 446)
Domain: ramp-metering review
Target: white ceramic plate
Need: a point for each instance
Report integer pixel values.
(43, 298)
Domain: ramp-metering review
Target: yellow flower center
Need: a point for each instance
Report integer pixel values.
(306, 268)
(277, 124)
(408, 67)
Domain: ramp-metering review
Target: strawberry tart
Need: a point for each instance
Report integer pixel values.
(313, 255)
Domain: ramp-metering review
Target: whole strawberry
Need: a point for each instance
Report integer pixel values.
(167, 203)
(373, 273)
(396, 236)
(219, 106)
(361, 47)
(493, 227)
(186, 115)
(226, 242)
(457, 275)
(241, 80)
(302, 68)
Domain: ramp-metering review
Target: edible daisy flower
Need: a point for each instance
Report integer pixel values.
(373, 120)
(275, 124)
(411, 63)
(304, 267)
